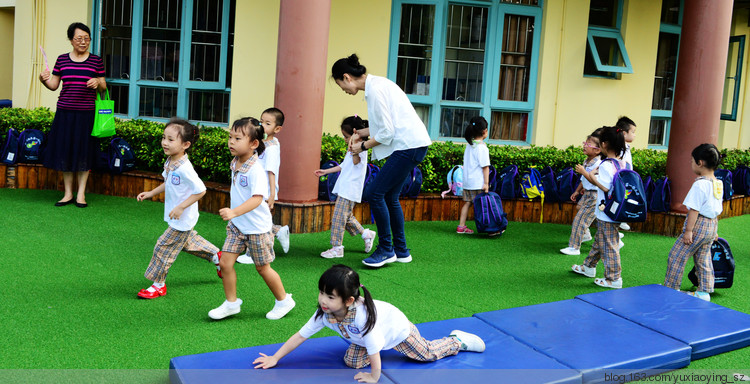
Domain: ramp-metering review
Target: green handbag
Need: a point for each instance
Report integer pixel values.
(104, 121)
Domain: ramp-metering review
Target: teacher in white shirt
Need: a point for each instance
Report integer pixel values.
(397, 133)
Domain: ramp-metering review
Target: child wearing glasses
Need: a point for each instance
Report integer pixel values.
(586, 206)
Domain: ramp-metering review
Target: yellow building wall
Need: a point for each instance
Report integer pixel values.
(736, 134)
(361, 27)
(569, 105)
(53, 18)
(7, 16)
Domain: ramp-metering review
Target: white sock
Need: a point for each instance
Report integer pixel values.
(155, 286)
(215, 259)
(233, 304)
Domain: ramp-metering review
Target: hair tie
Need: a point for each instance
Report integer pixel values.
(265, 135)
(355, 115)
(361, 286)
(473, 123)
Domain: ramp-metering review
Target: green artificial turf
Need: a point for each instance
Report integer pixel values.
(70, 277)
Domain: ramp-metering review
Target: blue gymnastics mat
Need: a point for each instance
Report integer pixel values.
(708, 328)
(590, 339)
(318, 360)
(505, 360)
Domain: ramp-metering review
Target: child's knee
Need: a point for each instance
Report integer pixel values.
(263, 269)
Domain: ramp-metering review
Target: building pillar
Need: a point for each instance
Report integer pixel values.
(704, 44)
(301, 74)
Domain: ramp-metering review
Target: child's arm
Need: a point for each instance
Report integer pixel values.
(356, 159)
(147, 195)
(321, 172)
(486, 174)
(374, 375)
(578, 191)
(265, 361)
(692, 217)
(272, 190)
(247, 206)
(177, 211)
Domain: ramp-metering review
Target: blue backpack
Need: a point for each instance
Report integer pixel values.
(372, 171)
(549, 182)
(455, 179)
(30, 146)
(488, 213)
(626, 199)
(741, 180)
(413, 184)
(327, 182)
(507, 187)
(660, 195)
(10, 150)
(121, 156)
(567, 183)
(493, 179)
(725, 176)
(723, 261)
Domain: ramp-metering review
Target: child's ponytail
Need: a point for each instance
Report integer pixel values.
(372, 313)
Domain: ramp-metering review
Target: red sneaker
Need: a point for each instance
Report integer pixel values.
(145, 294)
(464, 230)
(218, 268)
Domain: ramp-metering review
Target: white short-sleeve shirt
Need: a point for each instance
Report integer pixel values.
(271, 161)
(393, 121)
(244, 186)
(605, 177)
(627, 156)
(351, 180)
(391, 327)
(702, 197)
(179, 185)
(476, 157)
(590, 166)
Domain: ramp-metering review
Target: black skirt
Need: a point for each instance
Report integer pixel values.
(69, 146)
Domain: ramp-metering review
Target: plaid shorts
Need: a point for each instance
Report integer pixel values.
(704, 233)
(470, 194)
(169, 245)
(343, 219)
(606, 247)
(258, 246)
(584, 218)
(414, 347)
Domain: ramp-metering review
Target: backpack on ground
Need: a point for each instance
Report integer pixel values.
(660, 196)
(549, 182)
(327, 182)
(723, 261)
(626, 199)
(10, 149)
(648, 185)
(741, 180)
(488, 213)
(567, 183)
(372, 171)
(492, 179)
(725, 176)
(121, 156)
(413, 184)
(455, 179)
(30, 146)
(532, 187)
(507, 187)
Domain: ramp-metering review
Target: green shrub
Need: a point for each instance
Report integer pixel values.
(211, 158)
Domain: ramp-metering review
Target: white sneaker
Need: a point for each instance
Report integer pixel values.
(584, 270)
(620, 234)
(333, 253)
(469, 342)
(245, 259)
(281, 308)
(617, 284)
(705, 296)
(225, 309)
(283, 237)
(368, 236)
(587, 237)
(570, 251)
(620, 245)
(624, 226)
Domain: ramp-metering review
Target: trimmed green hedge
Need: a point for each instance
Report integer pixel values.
(211, 158)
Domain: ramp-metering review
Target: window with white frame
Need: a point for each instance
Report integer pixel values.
(167, 58)
(605, 49)
(460, 59)
(665, 74)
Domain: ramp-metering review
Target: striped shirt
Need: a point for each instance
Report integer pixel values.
(74, 75)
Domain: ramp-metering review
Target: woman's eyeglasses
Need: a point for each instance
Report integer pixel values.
(82, 39)
(586, 144)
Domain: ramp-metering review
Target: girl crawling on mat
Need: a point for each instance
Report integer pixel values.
(369, 326)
